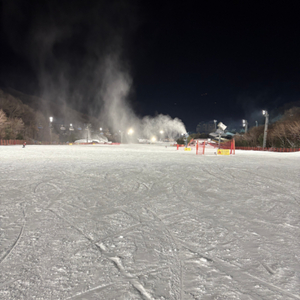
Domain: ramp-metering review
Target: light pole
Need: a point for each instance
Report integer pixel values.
(221, 130)
(215, 121)
(88, 125)
(161, 133)
(245, 124)
(51, 120)
(265, 113)
(121, 135)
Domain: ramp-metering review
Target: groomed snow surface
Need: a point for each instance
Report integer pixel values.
(148, 222)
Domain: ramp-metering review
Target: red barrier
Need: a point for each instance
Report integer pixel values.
(269, 149)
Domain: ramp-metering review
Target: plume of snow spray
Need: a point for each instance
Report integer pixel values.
(117, 112)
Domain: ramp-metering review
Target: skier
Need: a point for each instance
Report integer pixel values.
(24, 144)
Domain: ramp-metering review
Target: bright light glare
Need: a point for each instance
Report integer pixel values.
(153, 139)
(161, 132)
(71, 125)
(263, 112)
(51, 119)
(101, 128)
(130, 131)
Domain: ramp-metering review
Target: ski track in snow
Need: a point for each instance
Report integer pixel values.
(148, 222)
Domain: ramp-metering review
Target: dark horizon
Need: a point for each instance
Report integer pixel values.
(196, 62)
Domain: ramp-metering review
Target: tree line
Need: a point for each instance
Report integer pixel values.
(284, 133)
(23, 122)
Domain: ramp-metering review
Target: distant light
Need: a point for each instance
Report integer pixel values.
(264, 112)
(71, 125)
(130, 131)
(51, 119)
(161, 132)
(153, 139)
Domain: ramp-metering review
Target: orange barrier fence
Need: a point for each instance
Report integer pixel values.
(12, 142)
(21, 142)
(269, 149)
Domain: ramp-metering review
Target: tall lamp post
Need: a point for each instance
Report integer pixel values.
(87, 128)
(50, 125)
(215, 121)
(245, 124)
(265, 113)
(121, 135)
(161, 133)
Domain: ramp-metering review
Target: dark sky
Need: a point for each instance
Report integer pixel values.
(196, 60)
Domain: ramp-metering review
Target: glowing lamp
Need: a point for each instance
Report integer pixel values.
(130, 131)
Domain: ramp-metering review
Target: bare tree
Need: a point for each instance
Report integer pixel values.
(3, 123)
(11, 106)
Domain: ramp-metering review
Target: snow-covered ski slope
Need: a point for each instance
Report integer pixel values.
(148, 222)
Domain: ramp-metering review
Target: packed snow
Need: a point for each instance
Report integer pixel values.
(148, 222)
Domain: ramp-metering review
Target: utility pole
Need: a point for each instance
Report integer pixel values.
(245, 124)
(265, 113)
(51, 120)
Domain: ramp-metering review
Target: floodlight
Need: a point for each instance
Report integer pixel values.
(51, 119)
(161, 132)
(130, 131)
(264, 112)
(153, 139)
(222, 126)
(100, 128)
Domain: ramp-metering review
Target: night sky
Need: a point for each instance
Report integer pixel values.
(195, 60)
